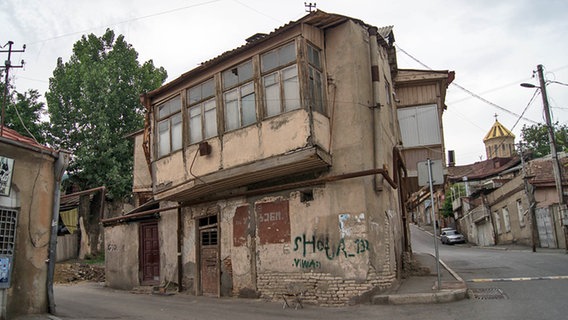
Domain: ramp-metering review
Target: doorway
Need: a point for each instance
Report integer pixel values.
(209, 256)
(149, 254)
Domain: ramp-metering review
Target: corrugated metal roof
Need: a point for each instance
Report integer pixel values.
(482, 169)
(318, 19)
(13, 135)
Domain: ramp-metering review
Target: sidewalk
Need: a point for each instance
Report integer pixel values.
(419, 289)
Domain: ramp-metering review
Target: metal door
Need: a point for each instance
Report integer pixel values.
(149, 253)
(545, 228)
(209, 254)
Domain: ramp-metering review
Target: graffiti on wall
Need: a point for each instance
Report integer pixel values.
(351, 243)
(306, 264)
(316, 245)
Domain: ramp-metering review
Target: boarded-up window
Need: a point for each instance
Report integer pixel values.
(273, 222)
(419, 126)
(240, 226)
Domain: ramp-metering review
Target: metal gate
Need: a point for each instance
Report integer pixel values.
(149, 253)
(545, 227)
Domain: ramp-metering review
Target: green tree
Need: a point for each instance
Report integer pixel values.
(93, 103)
(535, 138)
(455, 191)
(24, 112)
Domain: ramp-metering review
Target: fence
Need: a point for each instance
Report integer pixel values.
(67, 247)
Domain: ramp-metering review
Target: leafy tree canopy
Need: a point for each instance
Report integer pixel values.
(24, 112)
(93, 103)
(535, 138)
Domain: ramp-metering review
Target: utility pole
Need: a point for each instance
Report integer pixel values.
(7, 66)
(555, 163)
(529, 190)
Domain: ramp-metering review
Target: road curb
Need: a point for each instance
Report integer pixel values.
(442, 296)
(422, 298)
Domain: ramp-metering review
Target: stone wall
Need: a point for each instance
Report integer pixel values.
(322, 289)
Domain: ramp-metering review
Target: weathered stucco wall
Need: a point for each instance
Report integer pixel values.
(121, 256)
(349, 64)
(243, 146)
(167, 228)
(32, 195)
(506, 197)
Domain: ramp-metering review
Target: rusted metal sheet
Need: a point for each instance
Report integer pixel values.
(241, 222)
(273, 222)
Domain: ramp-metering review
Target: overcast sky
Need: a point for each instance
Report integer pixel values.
(493, 46)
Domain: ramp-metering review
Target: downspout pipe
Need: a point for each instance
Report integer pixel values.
(60, 166)
(376, 106)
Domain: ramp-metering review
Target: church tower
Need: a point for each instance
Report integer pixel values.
(499, 141)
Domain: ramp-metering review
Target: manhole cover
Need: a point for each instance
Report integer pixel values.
(487, 293)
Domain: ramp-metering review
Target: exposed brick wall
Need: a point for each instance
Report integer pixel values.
(320, 288)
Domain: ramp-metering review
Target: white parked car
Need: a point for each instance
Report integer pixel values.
(451, 237)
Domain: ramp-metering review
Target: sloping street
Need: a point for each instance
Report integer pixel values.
(509, 284)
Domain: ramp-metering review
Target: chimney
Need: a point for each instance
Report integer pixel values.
(451, 158)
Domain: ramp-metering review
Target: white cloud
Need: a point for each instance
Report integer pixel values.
(491, 45)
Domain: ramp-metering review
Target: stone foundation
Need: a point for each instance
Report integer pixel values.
(320, 288)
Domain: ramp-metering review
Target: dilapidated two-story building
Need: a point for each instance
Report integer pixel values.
(273, 165)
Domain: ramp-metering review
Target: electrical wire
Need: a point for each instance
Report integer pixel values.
(129, 20)
(468, 91)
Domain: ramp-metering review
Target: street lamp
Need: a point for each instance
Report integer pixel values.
(529, 85)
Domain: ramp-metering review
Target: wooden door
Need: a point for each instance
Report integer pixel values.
(149, 253)
(209, 253)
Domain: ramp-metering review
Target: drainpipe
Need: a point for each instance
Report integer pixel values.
(59, 168)
(179, 249)
(376, 106)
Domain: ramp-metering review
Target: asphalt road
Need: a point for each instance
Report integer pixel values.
(493, 272)
(511, 282)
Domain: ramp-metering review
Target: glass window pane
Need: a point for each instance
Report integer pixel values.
(287, 53)
(271, 79)
(249, 110)
(269, 61)
(194, 94)
(210, 119)
(315, 89)
(163, 110)
(272, 94)
(231, 110)
(230, 77)
(318, 95)
(247, 89)
(314, 56)
(208, 89)
(176, 131)
(289, 72)
(163, 138)
(195, 124)
(169, 107)
(245, 71)
(291, 90)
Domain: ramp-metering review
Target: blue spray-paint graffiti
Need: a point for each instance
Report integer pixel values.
(309, 245)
